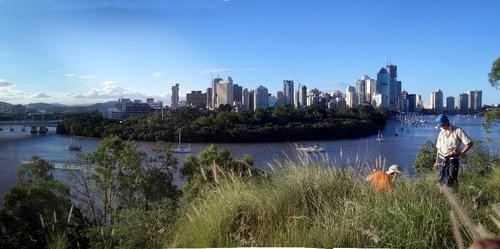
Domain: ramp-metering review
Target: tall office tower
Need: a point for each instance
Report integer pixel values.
(478, 101)
(383, 86)
(225, 92)
(412, 102)
(436, 102)
(371, 88)
(237, 93)
(303, 96)
(361, 90)
(215, 82)
(175, 97)
(245, 99)
(281, 98)
(463, 103)
(296, 98)
(420, 102)
(472, 101)
(251, 100)
(450, 104)
(196, 99)
(288, 91)
(404, 102)
(394, 89)
(208, 104)
(377, 99)
(261, 100)
(350, 97)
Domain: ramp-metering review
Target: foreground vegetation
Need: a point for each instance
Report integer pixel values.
(279, 124)
(123, 198)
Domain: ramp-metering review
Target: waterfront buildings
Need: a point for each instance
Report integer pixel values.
(175, 97)
(412, 102)
(261, 100)
(237, 93)
(225, 92)
(436, 102)
(245, 99)
(450, 104)
(383, 87)
(475, 101)
(361, 90)
(288, 92)
(463, 103)
(196, 99)
(350, 97)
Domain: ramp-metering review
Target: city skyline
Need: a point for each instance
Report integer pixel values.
(88, 52)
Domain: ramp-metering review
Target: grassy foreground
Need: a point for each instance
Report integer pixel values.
(316, 206)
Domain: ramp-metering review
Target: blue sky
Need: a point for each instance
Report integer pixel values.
(77, 52)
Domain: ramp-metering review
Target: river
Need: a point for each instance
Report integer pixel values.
(18, 146)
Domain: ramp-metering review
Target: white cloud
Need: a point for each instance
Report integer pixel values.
(70, 74)
(87, 77)
(4, 83)
(110, 90)
(216, 70)
(54, 71)
(157, 74)
(40, 95)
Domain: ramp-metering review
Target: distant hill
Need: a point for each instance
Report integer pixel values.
(45, 106)
(4, 105)
(101, 106)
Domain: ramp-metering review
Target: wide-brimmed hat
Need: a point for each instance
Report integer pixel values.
(393, 168)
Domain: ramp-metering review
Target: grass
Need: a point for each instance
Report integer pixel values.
(314, 204)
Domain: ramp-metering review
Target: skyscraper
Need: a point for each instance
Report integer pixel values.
(281, 98)
(245, 99)
(463, 103)
(261, 98)
(412, 103)
(237, 93)
(215, 82)
(175, 97)
(209, 98)
(404, 102)
(371, 88)
(450, 104)
(383, 86)
(303, 96)
(288, 91)
(437, 101)
(251, 100)
(472, 101)
(350, 97)
(478, 99)
(225, 92)
(361, 90)
(296, 98)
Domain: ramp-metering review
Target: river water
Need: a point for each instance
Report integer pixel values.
(18, 146)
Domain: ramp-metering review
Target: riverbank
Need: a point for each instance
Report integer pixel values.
(281, 124)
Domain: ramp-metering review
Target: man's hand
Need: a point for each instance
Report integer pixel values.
(436, 166)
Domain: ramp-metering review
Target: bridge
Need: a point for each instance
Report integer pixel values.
(32, 123)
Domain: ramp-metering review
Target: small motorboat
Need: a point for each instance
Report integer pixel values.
(74, 147)
(311, 149)
(181, 149)
(380, 138)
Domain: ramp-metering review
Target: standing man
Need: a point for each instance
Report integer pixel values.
(448, 151)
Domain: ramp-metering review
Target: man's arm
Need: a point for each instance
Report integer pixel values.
(436, 164)
(466, 148)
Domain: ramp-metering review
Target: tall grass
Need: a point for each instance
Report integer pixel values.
(315, 204)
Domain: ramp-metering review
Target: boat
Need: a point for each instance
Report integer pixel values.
(181, 149)
(380, 138)
(397, 132)
(43, 130)
(311, 149)
(72, 146)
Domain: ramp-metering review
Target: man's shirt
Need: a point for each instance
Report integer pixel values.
(381, 181)
(448, 142)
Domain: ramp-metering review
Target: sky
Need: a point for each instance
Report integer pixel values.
(82, 52)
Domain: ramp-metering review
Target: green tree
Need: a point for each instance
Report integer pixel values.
(494, 75)
(36, 201)
(425, 158)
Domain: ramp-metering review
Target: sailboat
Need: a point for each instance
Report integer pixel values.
(180, 149)
(72, 146)
(379, 137)
(397, 131)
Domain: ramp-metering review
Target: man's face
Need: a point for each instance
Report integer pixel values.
(445, 126)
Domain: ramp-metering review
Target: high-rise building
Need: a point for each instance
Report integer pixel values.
(225, 92)
(436, 102)
(237, 93)
(288, 91)
(245, 99)
(281, 98)
(394, 86)
(412, 102)
(261, 100)
(154, 105)
(209, 101)
(361, 90)
(296, 98)
(371, 88)
(350, 97)
(383, 86)
(420, 102)
(472, 101)
(196, 99)
(404, 102)
(478, 100)
(303, 96)
(378, 99)
(251, 100)
(450, 104)
(463, 103)
(175, 97)
(215, 82)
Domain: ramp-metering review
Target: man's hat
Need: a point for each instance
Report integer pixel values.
(441, 119)
(393, 168)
